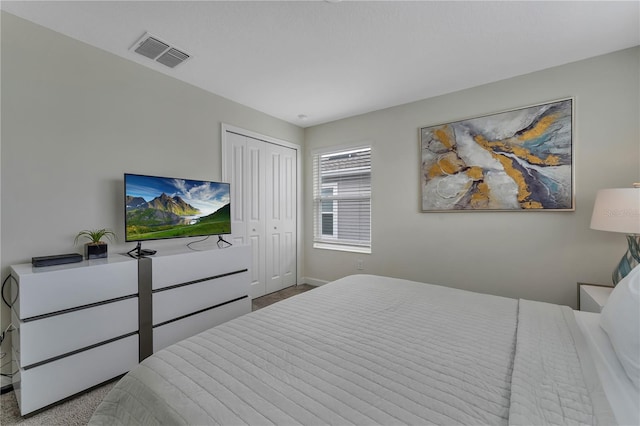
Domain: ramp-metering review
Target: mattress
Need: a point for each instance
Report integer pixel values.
(622, 395)
(371, 350)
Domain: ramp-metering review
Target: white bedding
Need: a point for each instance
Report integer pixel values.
(370, 350)
(623, 397)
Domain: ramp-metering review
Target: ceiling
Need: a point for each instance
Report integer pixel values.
(311, 62)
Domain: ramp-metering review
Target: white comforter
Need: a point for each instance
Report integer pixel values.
(371, 350)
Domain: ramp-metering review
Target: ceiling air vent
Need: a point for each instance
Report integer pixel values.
(172, 57)
(154, 48)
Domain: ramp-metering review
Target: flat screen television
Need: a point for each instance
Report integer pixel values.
(159, 207)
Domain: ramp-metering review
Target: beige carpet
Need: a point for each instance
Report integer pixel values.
(78, 410)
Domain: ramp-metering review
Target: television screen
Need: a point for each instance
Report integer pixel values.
(162, 207)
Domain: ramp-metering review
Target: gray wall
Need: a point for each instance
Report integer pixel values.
(535, 255)
(76, 118)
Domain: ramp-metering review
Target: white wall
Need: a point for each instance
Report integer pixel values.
(76, 118)
(535, 255)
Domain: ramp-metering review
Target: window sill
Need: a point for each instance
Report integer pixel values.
(341, 247)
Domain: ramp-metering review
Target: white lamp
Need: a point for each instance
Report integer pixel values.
(618, 210)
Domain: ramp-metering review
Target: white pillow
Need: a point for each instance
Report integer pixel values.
(620, 319)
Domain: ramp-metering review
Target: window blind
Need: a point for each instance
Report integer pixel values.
(342, 198)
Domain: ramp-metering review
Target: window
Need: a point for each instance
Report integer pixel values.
(342, 199)
(329, 211)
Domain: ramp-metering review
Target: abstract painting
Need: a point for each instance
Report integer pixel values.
(518, 160)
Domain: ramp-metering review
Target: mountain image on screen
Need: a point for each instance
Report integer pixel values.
(170, 216)
(160, 210)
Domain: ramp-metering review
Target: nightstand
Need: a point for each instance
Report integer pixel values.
(592, 297)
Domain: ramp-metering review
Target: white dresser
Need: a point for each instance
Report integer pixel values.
(82, 324)
(197, 290)
(76, 327)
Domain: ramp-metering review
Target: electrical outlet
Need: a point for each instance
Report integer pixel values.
(359, 265)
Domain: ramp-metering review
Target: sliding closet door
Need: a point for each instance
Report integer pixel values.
(263, 178)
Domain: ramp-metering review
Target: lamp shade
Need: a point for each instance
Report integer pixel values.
(617, 210)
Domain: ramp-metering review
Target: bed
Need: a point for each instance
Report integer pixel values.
(374, 350)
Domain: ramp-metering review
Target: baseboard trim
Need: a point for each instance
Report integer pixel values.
(313, 281)
(6, 389)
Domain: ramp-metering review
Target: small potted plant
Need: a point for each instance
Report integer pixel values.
(95, 248)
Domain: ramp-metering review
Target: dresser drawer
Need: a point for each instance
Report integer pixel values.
(175, 331)
(41, 291)
(43, 385)
(184, 300)
(185, 267)
(42, 339)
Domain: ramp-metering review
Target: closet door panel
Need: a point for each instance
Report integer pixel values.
(289, 259)
(281, 219)
(274, 218)
(257, 267)
(255, 211)
(236, 158)
(289, 217)
(274, 278)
